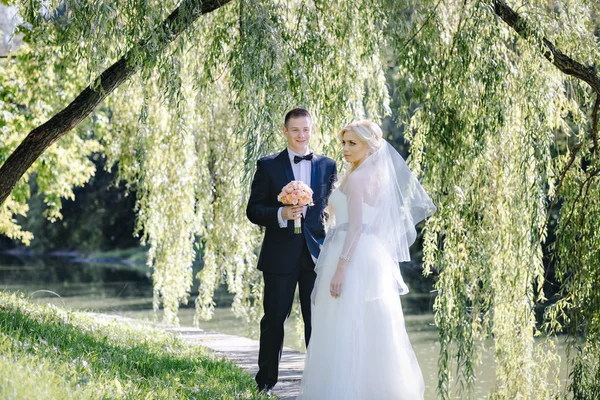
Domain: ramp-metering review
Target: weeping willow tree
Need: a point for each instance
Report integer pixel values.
(499, 107)
(502, 132)
(193, 98)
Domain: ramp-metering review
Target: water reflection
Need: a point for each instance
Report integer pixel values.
(70, 278)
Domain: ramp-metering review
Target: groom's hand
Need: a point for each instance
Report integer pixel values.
(291, 212)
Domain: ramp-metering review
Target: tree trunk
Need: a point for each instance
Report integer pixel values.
(46, 134)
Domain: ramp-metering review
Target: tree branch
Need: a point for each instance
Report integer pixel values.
(595, 122)
(555, 56)
(46, 134)
(561, 179)
(568, 66)
(585, 185)
(574, 152)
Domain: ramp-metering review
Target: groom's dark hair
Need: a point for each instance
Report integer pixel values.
(296, 113)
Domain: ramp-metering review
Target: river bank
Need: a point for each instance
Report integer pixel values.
(47, 352)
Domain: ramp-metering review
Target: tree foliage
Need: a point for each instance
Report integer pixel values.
(488, 135)
(500, 128)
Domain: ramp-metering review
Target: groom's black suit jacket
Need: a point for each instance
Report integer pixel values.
(281, 248)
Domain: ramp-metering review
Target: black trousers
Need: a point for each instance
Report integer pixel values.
(277, 303)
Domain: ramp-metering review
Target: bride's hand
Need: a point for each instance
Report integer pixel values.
(335, 287)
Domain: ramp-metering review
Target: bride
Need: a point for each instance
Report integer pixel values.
(359, 348)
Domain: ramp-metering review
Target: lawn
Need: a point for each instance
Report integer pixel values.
(50, 353)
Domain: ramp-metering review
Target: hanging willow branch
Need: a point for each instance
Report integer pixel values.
(587, 182)
(568, 66)
(563, 62)
(46, 134)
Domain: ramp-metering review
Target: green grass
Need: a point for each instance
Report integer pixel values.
(49, 353)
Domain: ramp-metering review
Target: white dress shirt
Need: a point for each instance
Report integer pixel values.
(302, 172)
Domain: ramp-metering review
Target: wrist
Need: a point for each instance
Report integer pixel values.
(342, 264)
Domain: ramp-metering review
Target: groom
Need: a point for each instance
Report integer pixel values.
(287, 259)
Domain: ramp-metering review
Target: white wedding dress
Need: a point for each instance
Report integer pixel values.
(359, 348)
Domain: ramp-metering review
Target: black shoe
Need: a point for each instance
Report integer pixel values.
(267, 389)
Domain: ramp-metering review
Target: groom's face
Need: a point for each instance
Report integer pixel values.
(297, 132)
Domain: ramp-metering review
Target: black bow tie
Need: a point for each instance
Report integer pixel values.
(307, 157)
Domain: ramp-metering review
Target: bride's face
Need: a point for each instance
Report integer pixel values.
(355, 150)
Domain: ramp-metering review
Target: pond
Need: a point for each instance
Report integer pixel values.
(126, 289)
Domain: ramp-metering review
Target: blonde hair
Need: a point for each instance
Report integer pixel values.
(368, 133)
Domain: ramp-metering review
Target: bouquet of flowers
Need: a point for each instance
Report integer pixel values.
(296, 193)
